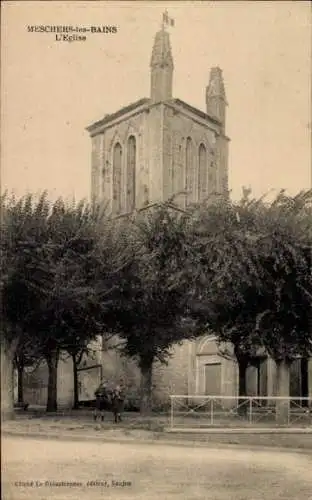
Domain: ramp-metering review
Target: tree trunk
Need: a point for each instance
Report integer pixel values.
(304, 367)
(52, 362)
(146, 386)
(242, 389)
(282, 382)
(20, 385)
(7, 385)
(243, 362)
(75, 374)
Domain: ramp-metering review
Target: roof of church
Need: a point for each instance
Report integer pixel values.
(196, 111)
(120, 112)
(146, 101)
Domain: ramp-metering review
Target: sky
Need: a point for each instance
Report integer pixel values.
(51, 91)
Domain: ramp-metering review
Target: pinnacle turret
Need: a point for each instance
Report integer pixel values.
(161, 67)
(215, 95)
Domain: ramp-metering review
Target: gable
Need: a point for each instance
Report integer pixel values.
(196, 112)
(123, 113)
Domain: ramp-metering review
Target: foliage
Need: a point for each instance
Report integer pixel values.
(150, 311)
(241, 269)
(58, 274)
(251, 271)
(52, 286)
(26, 353)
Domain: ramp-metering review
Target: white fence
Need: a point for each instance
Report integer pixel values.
(194, 412)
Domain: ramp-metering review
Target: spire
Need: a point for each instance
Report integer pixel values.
(161, 67)
(215, 95)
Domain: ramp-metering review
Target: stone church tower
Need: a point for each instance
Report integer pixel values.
(160, 146)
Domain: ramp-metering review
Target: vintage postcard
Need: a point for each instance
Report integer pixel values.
(137, 358)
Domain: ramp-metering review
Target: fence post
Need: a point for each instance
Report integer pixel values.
(211, 412)
(250, 410)
(171, 413)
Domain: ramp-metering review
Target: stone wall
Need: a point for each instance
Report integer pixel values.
(154, 152)
(160, 132)
(102, 155)
(222, 147)
(171, 378)
(184, 374)
(36, 384)
(177, 127)
(96, 167)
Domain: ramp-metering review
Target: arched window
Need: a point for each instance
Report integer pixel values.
(178, 181)
(202, 172)
(212, 178)
(189, 171)
(117, 165)
(131, 167)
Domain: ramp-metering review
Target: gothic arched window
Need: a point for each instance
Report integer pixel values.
(212, 178)
(131, 167)
(117, 166)
(189, 171)
(202, 172)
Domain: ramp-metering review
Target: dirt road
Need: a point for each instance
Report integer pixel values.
(64, 470)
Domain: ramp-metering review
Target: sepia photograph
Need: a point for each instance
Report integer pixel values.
(156, 250)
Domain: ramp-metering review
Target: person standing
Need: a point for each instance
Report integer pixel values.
(102, 400)
(118, 400)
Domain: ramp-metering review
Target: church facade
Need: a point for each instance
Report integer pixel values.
(147, 152)
(161, 146)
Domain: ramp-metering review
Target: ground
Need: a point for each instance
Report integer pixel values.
(150, 471)
(135, 428)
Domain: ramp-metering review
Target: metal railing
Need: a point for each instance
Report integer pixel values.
(193, 411)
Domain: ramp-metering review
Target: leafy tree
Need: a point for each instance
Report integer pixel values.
(223, 274)
(285, 255)
(253, 279)
(51, 286)
(21, 227)
(72, 292)
(149, 312)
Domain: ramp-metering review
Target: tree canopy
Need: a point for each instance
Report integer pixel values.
(253, 280)
(150, 313)
(58, 273)
(240, 269)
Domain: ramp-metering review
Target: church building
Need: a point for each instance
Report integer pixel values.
(145, 153)
(160, 146)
